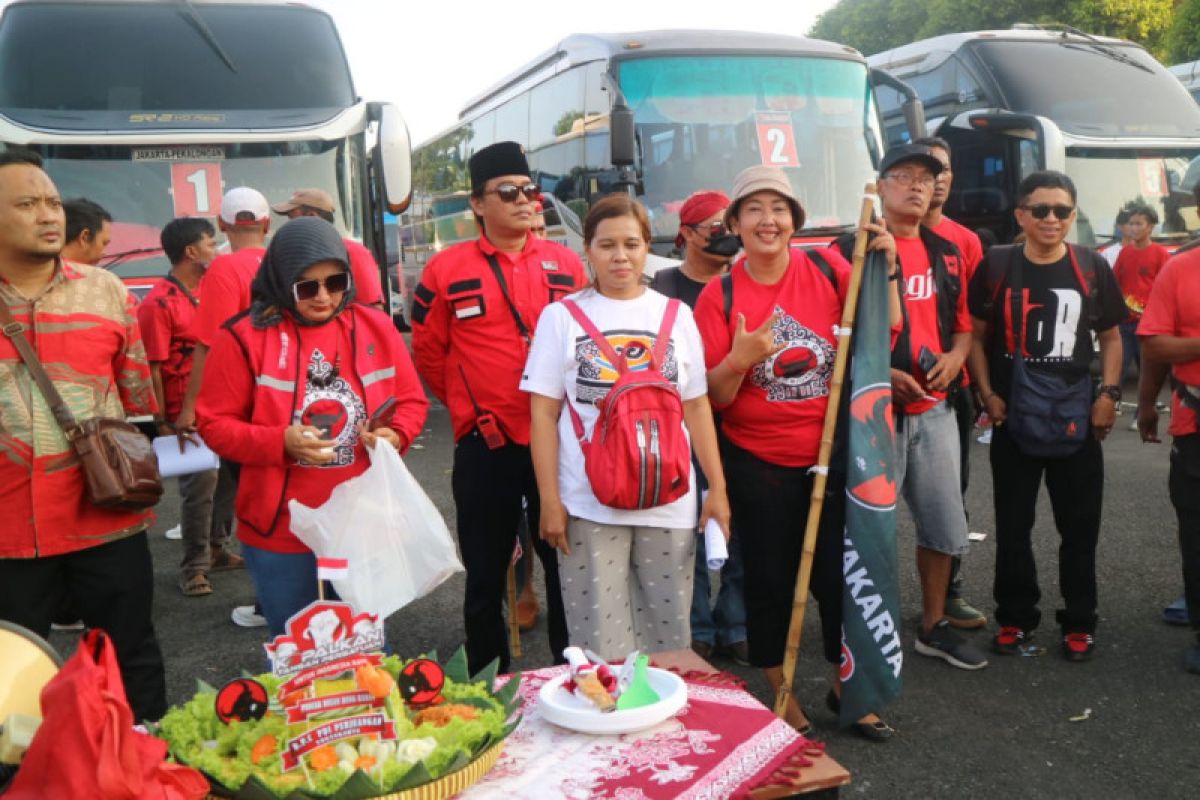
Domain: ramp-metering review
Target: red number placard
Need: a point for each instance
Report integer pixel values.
(196, 189)
(776, 140)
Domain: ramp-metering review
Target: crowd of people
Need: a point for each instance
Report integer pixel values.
(607, 415)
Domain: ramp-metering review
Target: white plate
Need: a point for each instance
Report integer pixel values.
(559, 706)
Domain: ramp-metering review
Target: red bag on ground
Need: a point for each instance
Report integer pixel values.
(638, 456)
(86, 745)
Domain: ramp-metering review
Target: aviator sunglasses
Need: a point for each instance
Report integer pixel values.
(712, 230)
(508, 192)
(1043, 210)
(334, 284)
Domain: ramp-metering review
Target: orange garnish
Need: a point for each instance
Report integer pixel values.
(323, 758)
(365, 762)
(374, 680)
(263, 748)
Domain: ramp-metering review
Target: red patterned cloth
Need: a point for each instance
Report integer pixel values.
(724, 743)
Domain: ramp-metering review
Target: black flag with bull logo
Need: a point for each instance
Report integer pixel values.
(871, 653)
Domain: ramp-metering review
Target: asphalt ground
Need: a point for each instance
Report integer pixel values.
(1002, 732)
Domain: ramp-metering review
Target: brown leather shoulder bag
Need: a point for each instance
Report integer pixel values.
(118, 460)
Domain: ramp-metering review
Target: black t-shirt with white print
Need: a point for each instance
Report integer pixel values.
(1055, 307)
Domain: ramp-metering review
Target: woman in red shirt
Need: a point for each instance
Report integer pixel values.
(288, 391)
(770, 351)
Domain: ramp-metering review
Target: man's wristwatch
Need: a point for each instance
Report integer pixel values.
(1112, 390)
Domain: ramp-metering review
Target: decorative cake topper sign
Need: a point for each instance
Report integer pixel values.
(321, 632)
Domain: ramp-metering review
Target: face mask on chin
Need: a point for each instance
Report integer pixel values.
(725, 245)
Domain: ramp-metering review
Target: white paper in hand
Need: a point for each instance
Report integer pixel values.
(194, 458)
(715, 550)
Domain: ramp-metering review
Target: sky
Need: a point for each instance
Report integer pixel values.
(430, 56)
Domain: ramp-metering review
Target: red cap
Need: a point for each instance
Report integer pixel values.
(698, 207)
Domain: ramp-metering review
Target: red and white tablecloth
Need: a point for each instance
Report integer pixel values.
(722, 744)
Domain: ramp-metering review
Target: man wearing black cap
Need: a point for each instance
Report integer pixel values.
(927, 362)
(474, 312)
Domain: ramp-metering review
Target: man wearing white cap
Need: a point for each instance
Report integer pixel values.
(225, 292)
(363, 269)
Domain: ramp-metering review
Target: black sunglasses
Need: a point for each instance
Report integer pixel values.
(1043, 210)
(334, 284)
(508, 192)
(713, 229)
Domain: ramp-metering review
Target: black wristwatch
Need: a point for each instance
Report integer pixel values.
(1110, 389)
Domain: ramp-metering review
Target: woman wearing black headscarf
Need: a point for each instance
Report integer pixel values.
(288, 392)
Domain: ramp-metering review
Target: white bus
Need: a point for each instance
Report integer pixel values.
(155, 109)
(665, 113)
(1013, 102)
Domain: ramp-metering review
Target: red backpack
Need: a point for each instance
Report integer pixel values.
(638, 456)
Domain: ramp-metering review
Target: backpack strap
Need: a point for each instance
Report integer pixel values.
(727, 294)
(618, 361)
(1087, 281)
(817, 258)
(659, 354)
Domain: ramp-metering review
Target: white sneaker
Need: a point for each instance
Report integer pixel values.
(985, 437)
(246, 618)
(1133, 426)
(175, 533)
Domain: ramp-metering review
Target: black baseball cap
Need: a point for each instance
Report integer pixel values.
(903, 153)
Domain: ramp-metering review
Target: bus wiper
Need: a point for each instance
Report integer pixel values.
(108, 262)
(193, 16)
(1099, 47)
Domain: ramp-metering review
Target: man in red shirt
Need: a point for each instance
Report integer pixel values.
(89, 230)
(166, 318)
(368, 290)
(1170, 333)
(54, 541)
(959, 612)
(245, 219)
(474, 311)
(1136, 268)
(927, 362)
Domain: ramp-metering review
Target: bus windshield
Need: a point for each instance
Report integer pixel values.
(1107, 180)
(157, 57)
(1091, 90)
(701, 119)
(157, 183)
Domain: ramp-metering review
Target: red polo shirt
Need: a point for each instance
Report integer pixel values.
(226, 288)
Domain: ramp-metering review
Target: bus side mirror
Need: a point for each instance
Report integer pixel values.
(394, 155)
(912, 108)
(621, 134)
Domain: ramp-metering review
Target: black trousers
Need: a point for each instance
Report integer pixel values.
(1075, 484)
(770, 510)
(112, 586)
(1184, 485)
(965, 413)
(489, 486)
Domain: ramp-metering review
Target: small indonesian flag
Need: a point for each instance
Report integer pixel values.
(332, 569)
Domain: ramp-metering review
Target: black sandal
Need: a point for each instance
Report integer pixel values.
(878, 731)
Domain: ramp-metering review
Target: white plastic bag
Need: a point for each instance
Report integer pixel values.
(387, 528)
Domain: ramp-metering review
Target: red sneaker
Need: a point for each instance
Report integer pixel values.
(1078, 646)
(1010, 640)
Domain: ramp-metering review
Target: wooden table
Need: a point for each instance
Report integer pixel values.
(822, 779)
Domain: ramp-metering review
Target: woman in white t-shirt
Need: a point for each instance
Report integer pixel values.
(626, 574)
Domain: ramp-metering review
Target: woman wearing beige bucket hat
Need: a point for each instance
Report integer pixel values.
(768, 331)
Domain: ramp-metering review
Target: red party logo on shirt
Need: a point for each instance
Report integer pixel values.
(870, 482)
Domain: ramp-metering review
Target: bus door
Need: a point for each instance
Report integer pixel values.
(991, 153)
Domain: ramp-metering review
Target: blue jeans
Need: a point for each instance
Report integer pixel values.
(284, 583)
(726, 622)
(1131, 348)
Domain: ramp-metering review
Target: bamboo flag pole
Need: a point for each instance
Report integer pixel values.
(514, 627)
(817, 501)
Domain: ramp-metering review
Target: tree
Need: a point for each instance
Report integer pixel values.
(1182, 40)
(875, 25)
